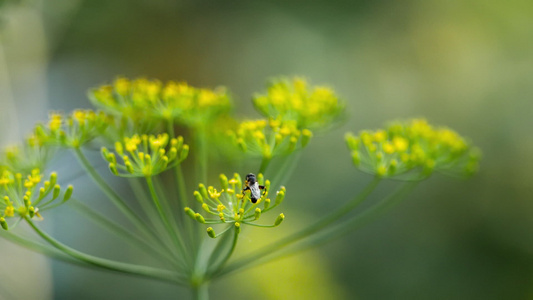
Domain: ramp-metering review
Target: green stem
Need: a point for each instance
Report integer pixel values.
(285, 171)
(201, 154)
(341, 229)
(264, 165)
(165, 203)
(38, 247)
(153, 216)
(173, 234)
(180, 187)
(181, 192)
(200, 291)
(358, 221)
(103, 263)
(113, 196)
(284, 242)
(182, 196)
(120, 231)
(146, 205)
(224, 260)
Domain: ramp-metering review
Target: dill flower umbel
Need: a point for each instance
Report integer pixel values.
(31, 154)
(27, 196)
(313, 108)
(145, 101)
(269, 138)
(412, 150)
(145, 155)
(73, 130)
(232, 204)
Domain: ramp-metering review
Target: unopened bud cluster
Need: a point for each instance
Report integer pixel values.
(412, 150)
(145, 155)
(232, 205)
(26, 196)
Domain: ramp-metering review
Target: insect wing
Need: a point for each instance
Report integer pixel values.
(254, 191)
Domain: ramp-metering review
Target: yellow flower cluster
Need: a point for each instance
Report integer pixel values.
(269, 138)
(412, 150)
(314, 108)
(145, 155)
(31, 154)
(150, 100)
(27, 196)
(232, 205)
(74, 130)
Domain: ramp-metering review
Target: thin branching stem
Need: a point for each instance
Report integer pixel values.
(122, 232)
(338, 230)
(113, 196)
(315, 227)
(127, 268)
(176, 237)
(39, 247)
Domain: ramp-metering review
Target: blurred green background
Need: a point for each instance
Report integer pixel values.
(467, 64)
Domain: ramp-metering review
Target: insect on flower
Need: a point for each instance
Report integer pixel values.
(254, 187)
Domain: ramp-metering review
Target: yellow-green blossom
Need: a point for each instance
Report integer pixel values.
(313, 108)
(269, 138)
(26, 195)
(73, 130)
(31, 154)
(145, 155)
(143, 100)
(232, 205)
(412, 150)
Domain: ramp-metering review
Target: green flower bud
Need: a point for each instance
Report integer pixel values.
(257, 213)
(184, 152)
(279, 219)
(224, 182)
(104, 152)
(211, 232)
(356, 158)
(3, 223)
(190, 213)
(267, 203)
(119, 148)
(57, 190)
(237, 227)
(172, 153)
(53, 178)
(129, 167)
(203, 191)
(199, 218)
(68, 193)
(111, 158)
(113, 169)
(279, 197)
(198, 197)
